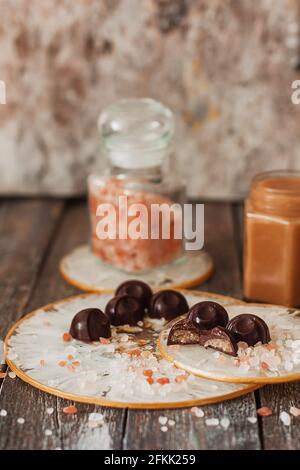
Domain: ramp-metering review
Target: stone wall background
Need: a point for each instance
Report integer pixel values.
(225, 67)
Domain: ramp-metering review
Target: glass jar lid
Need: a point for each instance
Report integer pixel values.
(136, 132)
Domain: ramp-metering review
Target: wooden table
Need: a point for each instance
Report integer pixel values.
(34, 235)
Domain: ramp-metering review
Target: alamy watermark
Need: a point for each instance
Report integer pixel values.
(2, 92)
(295, 97)
(138, 221)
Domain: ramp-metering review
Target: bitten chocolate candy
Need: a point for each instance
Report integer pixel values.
(184, 332)
(219, 338)
(137, 289)
(124, 310)
(206, 315)
(90, 325)
(249, 328)
(167, 304)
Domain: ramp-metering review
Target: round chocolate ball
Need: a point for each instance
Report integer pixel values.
(207, 315)
(89, 325)
(137, 289)
(249, 328)
(124, 310)
(167, 304)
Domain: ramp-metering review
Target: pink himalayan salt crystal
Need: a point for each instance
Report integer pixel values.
(294, 411)
(127, 253)
(264, 411)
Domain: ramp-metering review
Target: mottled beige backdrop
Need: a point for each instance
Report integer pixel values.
(225, 67)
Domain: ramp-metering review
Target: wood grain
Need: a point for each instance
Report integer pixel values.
(143, 429)
(21, 400)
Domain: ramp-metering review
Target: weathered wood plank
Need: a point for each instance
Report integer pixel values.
(68, 432)
(26, 229)
(277, 397)
(143, 430)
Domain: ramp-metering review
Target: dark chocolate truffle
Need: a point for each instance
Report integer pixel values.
(219, 338)
(167, 304)
(124, 310)
(206, 315)
(90, 325)
(184, 332)
(137, 289)
(249, 328)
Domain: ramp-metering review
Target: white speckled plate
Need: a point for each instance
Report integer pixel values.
(84, 270)
(35, 350)
(284, 325)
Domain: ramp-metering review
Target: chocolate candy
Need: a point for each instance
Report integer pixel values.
(221, 339)
(137, 289)
(167, 304)
(206, 315)
(124, 310)
(89, 325)
(249, 328)
(184, 332)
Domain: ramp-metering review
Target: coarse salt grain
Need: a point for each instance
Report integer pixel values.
(20, 420)
(162, 420)
(225, 423)
(197, 412)
(3, 413)
(285, 418)
(212, 422)
(264, 411)
(48, 432)
(171, 422)
(70, 410)
(164, 428)
(12, 375)
(50, 411)
(252, 419)
(294, 411)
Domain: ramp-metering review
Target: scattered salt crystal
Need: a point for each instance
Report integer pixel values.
(252, 419)
(20, 420)
(294, 411)
(124, 338)
(162, 420)
(264, 411)
(212, 422)
(96, 420)
(285, 418)
(12, 375)
(197, 412)
(225, 423)
(140, 323)
(50, 411)
(48, 432)
(164, 428)
(171, 422)
(3, 413)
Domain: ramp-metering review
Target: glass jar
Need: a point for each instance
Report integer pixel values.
(272, 239)
(136, 137)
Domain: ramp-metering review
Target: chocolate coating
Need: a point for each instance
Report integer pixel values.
(124, 310)
(249, 328)
(89, 325)
(184, 332)
(137, 289)
(167, 304)
(220, 339)
(207, 315)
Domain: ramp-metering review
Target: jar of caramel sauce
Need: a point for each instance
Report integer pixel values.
(272, 239)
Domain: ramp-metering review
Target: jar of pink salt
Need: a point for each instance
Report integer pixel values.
(136, 204)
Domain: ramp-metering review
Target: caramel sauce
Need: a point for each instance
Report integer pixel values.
(272, 239)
